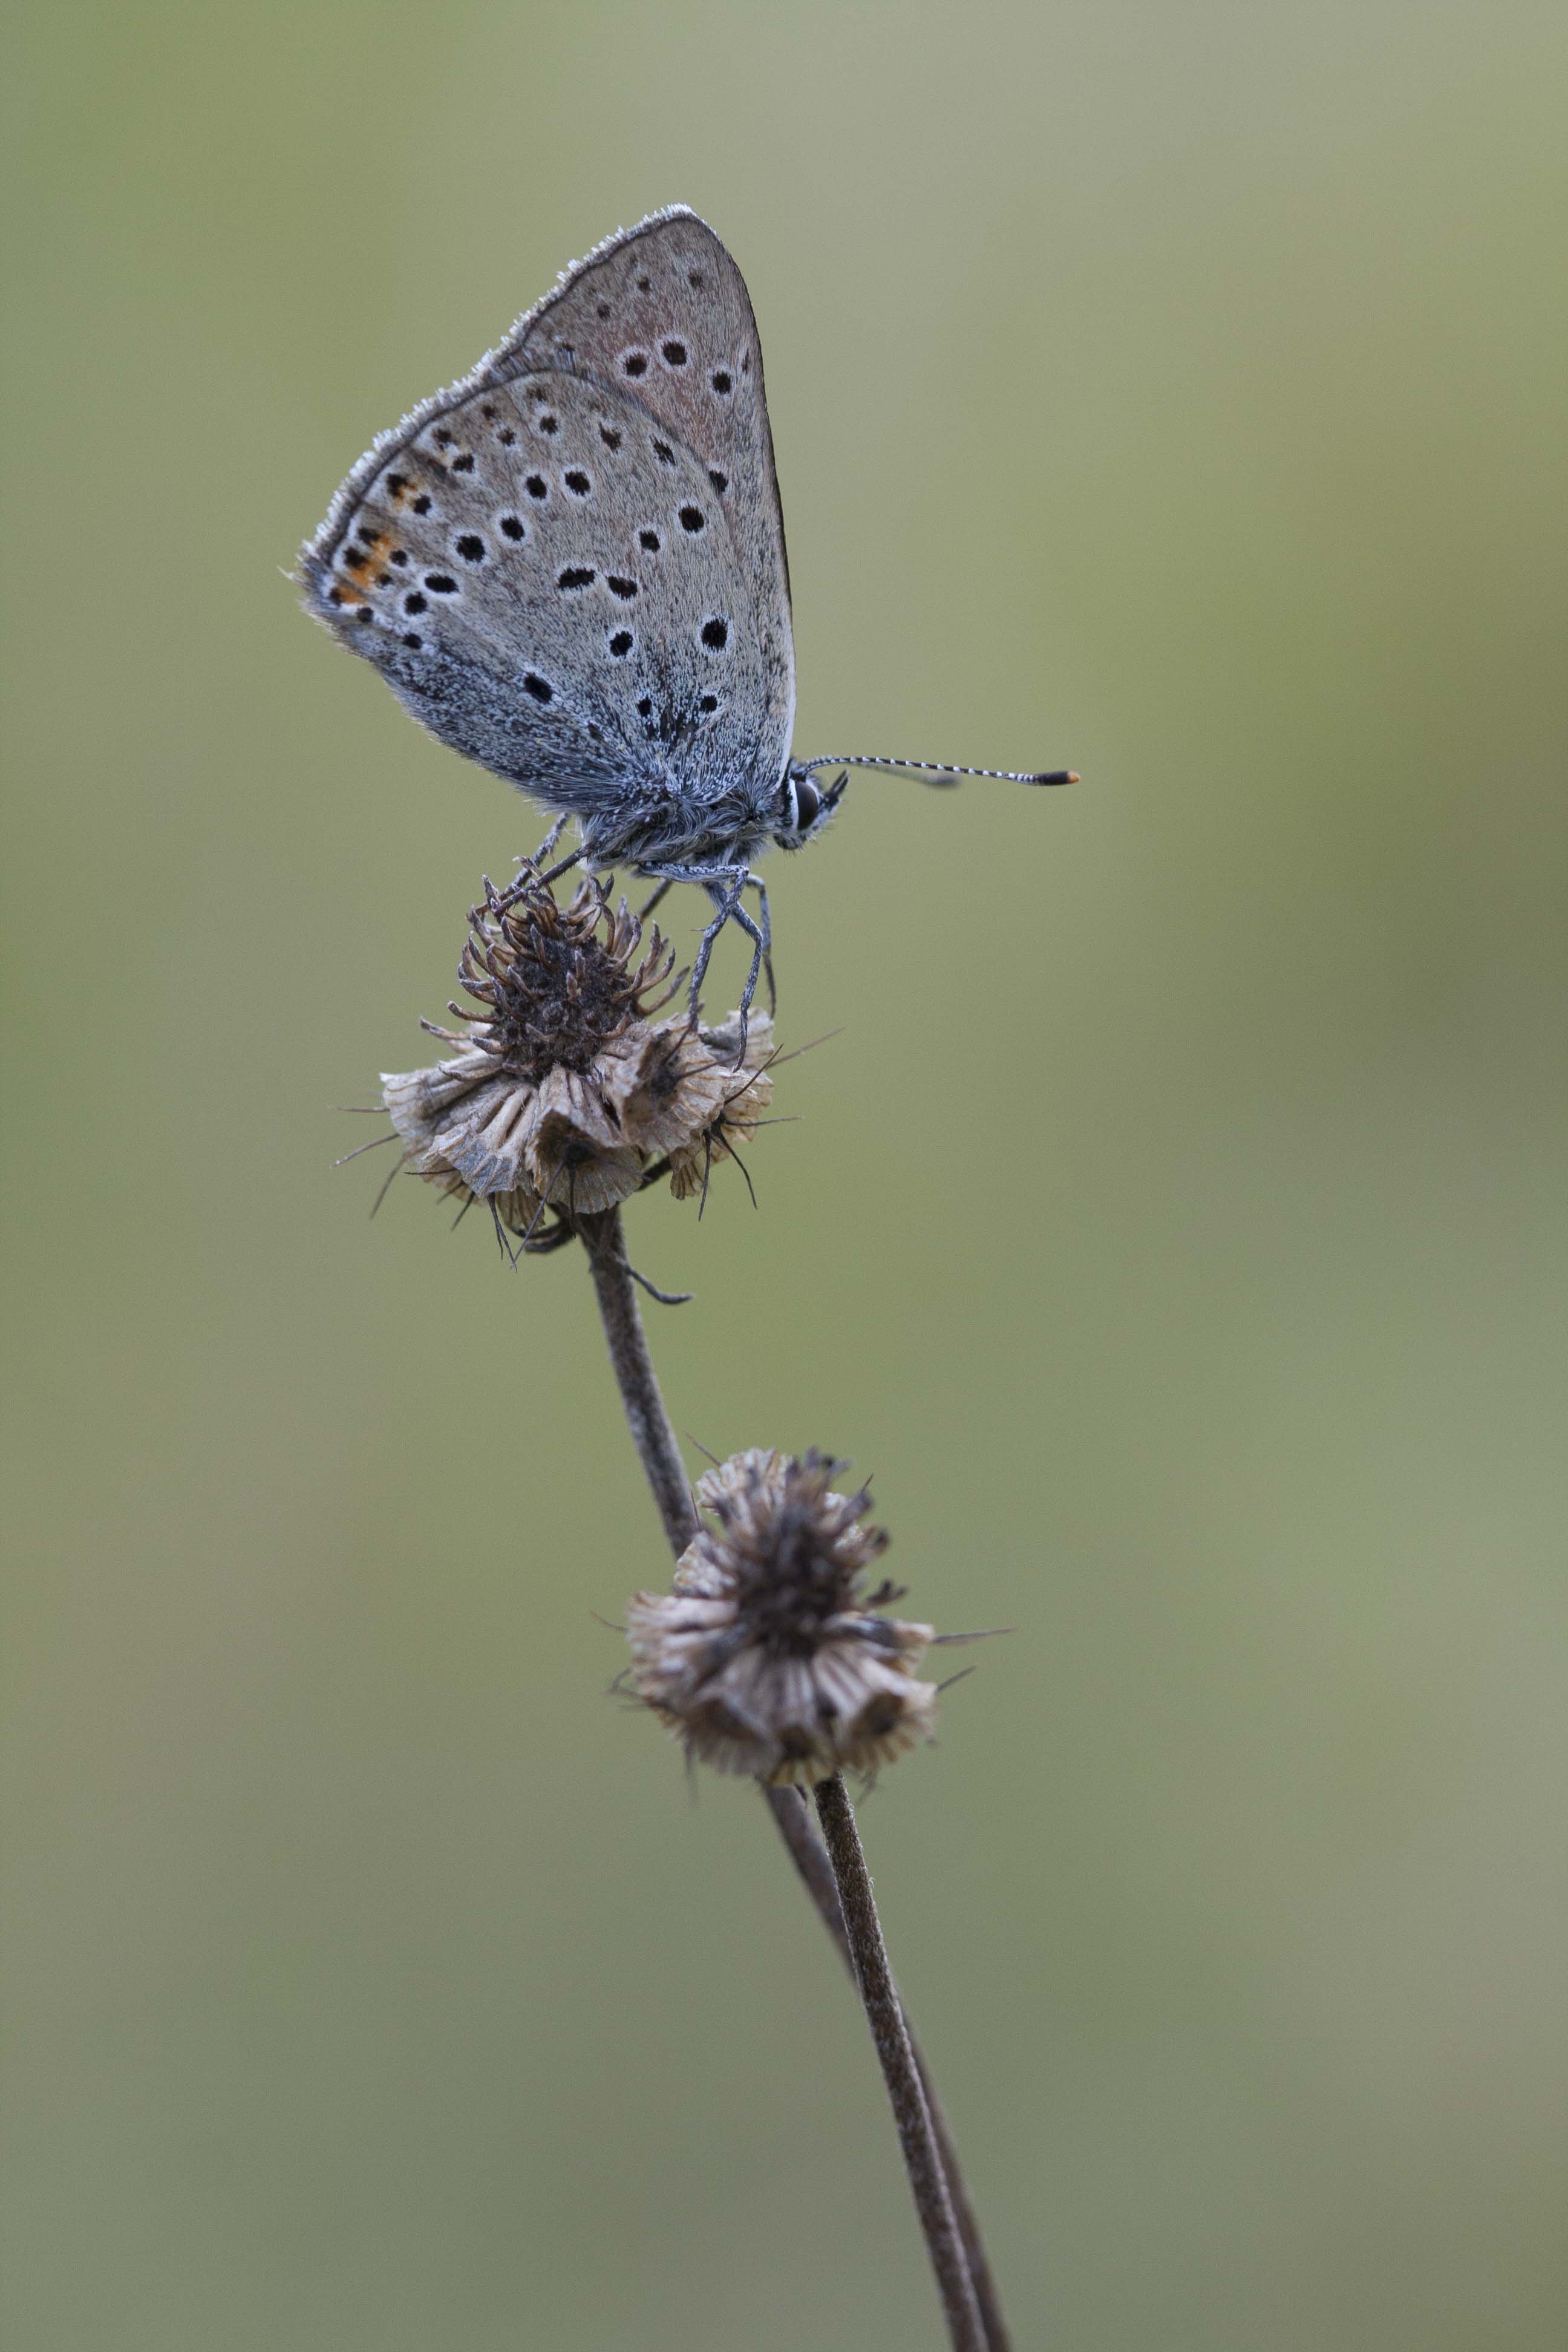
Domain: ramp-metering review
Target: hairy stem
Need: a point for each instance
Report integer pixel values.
(604, 1238)
(923, 2160)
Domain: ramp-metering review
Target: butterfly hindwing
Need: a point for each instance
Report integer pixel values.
(543, 576)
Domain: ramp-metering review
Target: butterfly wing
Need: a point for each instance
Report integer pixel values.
(662, 312)
(576, 576)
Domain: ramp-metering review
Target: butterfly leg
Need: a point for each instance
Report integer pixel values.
(723, 885)
(547, 845)
(732, 910)
(724, 889)
(761, 887)
(531, 878)
(644, 912)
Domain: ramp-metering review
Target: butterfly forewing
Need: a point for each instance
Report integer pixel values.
(570, 567)
(661, 312)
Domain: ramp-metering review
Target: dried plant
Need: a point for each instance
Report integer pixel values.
(773, 1655)
(565, 1092)
(770, 1657)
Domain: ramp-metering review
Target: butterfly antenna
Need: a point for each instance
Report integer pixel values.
(936, 768)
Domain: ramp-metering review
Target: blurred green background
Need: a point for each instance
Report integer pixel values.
(1176, 1227)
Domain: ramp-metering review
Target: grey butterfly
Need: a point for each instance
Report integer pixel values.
(570, 567)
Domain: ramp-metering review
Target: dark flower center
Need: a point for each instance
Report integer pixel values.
(561, 1002)
(556, 992)
(792, 1578)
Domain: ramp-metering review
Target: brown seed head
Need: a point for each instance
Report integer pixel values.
(769, 1656)
(564, 1090)
(556, 990)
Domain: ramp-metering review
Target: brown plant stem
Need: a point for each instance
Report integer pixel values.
(911, 2115)
(791, 1816)
(651, 1432)
(604, 1239)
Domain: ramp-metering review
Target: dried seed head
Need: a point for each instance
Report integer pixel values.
(769, 1657)
(747, 1090)
(558, 992)
(564, 1090)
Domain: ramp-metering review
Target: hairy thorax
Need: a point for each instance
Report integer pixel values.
(654, 837)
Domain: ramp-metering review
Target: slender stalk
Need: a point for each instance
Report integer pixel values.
(651, 1432)
(880, 1997)
(951, 2210)
(791, 1816)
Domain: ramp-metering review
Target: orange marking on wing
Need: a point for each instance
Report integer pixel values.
(362, 561)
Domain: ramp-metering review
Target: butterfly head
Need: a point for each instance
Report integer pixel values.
(803, 807)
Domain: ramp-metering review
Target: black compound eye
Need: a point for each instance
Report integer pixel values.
(808, 800)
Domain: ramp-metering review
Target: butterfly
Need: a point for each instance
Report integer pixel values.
(570, 566)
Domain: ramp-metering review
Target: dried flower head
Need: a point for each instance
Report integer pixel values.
(746, 1065)
(564, 1092)
(769, 1656)
(558, 992)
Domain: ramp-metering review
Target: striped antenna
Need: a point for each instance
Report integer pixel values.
(936, 768)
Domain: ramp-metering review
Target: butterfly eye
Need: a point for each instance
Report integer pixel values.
(799, 803)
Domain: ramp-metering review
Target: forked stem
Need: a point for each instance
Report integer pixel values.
(947, 2218)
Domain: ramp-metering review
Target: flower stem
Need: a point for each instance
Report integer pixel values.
(651, 1432)
(941, 2198)
(923, 2161)
(791, 1816)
